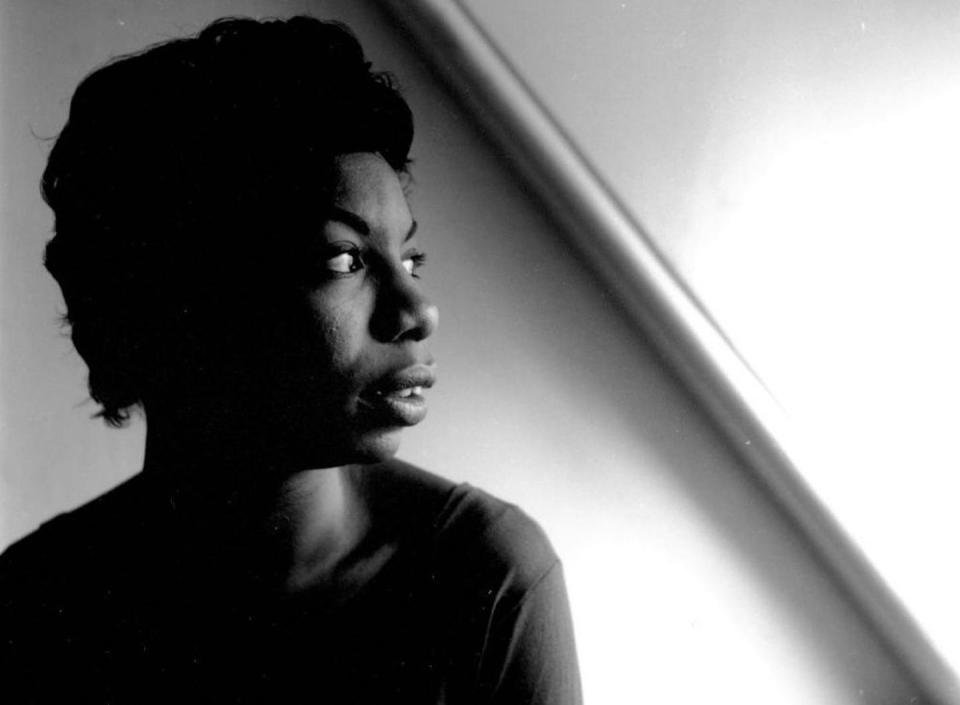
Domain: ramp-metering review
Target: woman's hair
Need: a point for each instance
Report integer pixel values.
(187, 172)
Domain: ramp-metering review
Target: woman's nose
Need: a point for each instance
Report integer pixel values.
(403, 311)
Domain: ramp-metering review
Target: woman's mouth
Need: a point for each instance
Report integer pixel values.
(404, 407)
(398, 400)
(409, 392)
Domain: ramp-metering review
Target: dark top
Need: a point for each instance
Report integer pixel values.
(114, 602)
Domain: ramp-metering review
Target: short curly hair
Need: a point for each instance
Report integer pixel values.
(192, 160)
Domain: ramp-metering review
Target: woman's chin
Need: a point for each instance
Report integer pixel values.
(369, 446)
(309, 448)
(377, 446)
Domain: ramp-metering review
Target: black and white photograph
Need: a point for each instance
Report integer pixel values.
(479, 352)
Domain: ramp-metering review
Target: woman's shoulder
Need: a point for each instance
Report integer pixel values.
(479, 533)
(469, 532)
(70, 542)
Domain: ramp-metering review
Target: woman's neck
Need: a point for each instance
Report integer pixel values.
(317, 521)
(291, 528)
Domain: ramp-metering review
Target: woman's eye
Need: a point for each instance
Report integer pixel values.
(412, 263)
(345, 262)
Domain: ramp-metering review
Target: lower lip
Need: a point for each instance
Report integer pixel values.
(396, 410)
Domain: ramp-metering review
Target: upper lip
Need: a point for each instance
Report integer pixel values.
(413, 376)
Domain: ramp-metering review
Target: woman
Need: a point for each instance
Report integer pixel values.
(239, 261)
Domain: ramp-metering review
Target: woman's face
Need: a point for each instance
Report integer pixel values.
(349, 368)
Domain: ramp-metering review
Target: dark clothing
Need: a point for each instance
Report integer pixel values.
(114, 602)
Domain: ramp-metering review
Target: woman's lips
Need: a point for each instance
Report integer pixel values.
(397, 398)
(404, 409)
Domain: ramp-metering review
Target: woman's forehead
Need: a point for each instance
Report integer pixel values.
(368, 187)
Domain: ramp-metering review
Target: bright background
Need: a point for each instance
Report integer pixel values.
(687, 585)
(799, 164)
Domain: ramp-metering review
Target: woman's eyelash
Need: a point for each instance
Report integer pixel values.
(344, 260)
(413, 262)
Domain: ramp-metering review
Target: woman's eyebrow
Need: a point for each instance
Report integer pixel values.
(349, 219)
(354, 221)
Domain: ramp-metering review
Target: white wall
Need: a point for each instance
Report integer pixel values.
(797, 162)
(687, 587)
